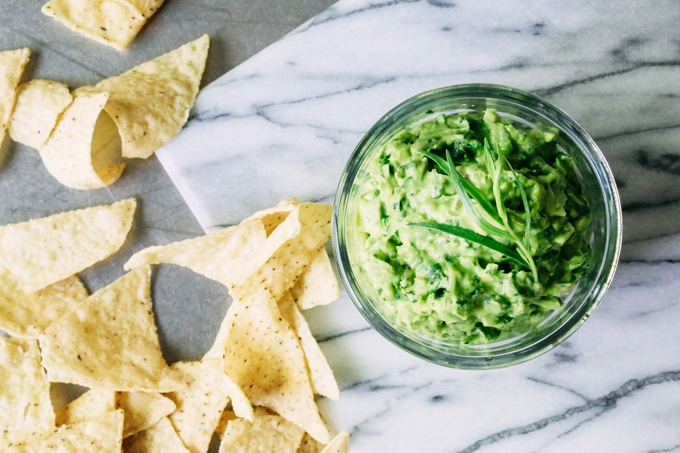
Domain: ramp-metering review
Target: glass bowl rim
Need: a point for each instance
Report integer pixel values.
(557, 117)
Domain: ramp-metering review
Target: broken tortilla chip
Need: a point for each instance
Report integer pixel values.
(200, 404)
(217, 255)
(160, 438)
(84, 150)
(339, 444)
(268, 432)
(151, 102)
(318, 285)
(110, 341)
(114, 23)
(286, 253)
(38, 106)
(25, 405)
(263, 356)
(12, 64)
(323, 381)
(142, 410)
(44, 251)
(93, 404)
(101, 435)
(27, 315)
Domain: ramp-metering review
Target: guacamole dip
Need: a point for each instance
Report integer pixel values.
(471, 228)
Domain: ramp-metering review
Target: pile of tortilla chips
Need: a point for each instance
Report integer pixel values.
(83, 136)
(255, 387)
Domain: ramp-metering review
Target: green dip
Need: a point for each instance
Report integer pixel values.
(443, 285)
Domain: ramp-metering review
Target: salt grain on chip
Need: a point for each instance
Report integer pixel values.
(111, 22)
(44, 251)
(12, 64)
(160, 438)
(27, 315)
(38, 106)
(25, 405)
(263, 356)
(110, 341)
(84, 150)
(151, 102)
(101, 435)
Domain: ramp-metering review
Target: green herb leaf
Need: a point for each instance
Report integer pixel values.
(477, 238)
(467, 185)
(525, 202)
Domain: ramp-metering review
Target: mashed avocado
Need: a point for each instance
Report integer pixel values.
(520, 236)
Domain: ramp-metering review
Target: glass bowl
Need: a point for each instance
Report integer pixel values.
(599, 189)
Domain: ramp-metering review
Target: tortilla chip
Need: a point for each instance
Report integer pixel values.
(12, 64)
(287, 253)
(200, 404)
(27, 315)
(323, 381)
(111, 22)
(84, 150)
(142, 410)
(263, 356)
(44, 251)
(160, 438)
(268, 433)
(110, 341)
(102, 435)
(25, 405)
(38, 106)
(273, 217)
(317, 286)
(217, 255)
(227, 416)
(150, 103)
(93, 404)
(339, 444)
(309, 445)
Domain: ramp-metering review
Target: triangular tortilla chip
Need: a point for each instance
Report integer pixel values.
(39, 104)
(318, 285)
(101, 435)
(286, 253)
(200, 404)
(151, 102)
(339, 444)
(44, 251)
(160, 438)
(27, 315)
(142, 410)
(263, 356)
(110, 341)
(84, 150)
(217, 255)
(268, 433)
(25, 405)
(323, 381)
(111, 22)
(12, 64)
(93, 404)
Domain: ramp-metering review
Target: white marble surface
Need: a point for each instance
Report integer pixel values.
(283, 124)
